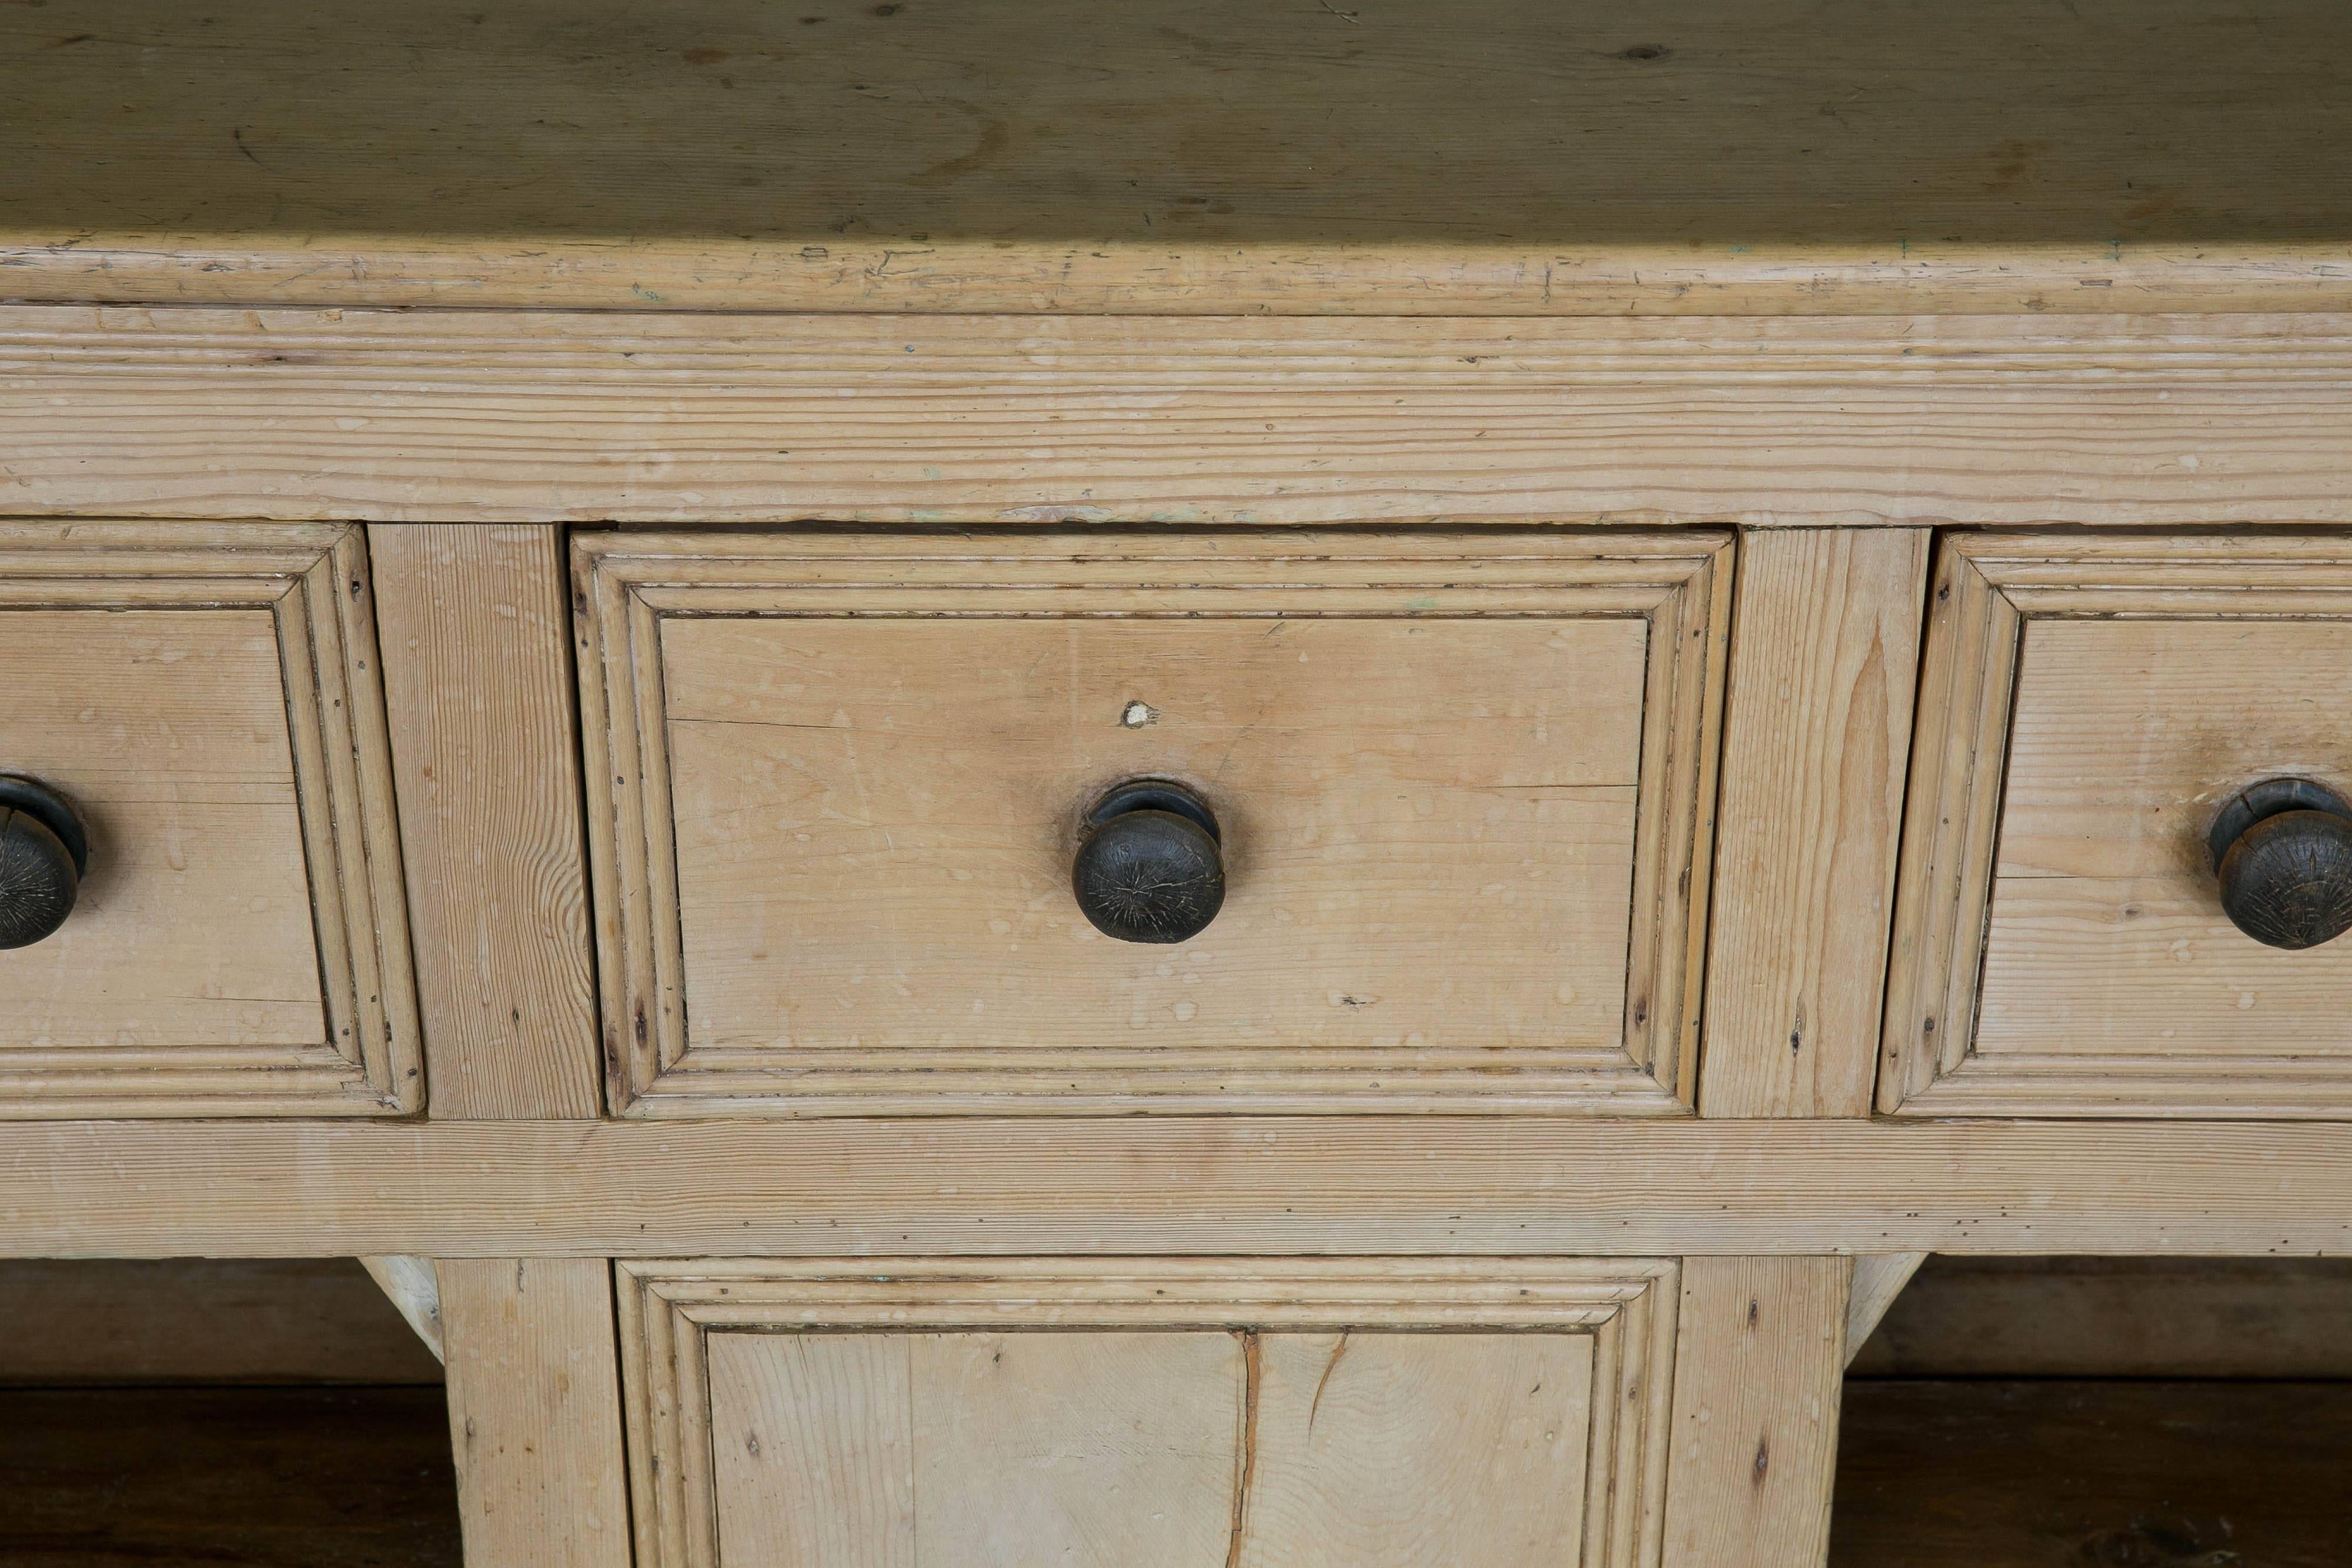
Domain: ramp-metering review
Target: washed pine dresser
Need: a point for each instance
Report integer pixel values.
(1213, 783)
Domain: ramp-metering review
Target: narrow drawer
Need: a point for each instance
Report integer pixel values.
(2103, 721)
(1456, 788)
(192, 712)
(1384, 1414)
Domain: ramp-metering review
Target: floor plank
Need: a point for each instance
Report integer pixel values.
(258, 1477)
(2065, 1474)
(1932, 1474)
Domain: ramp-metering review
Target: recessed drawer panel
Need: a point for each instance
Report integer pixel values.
(2126, 820)
(192, 713)
(1414, 821)
(1154, 1414)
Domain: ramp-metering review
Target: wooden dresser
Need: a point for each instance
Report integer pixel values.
(1197, 786)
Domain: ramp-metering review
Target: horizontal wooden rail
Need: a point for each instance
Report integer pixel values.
(1241, 1186)
(535, 416)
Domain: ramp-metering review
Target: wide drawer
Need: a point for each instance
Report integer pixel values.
(1460, 784)
(1376, 1414)
(2090, 709)
(203, 697)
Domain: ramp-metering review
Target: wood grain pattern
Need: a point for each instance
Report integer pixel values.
(835, 777)
(832, 785)
(1816, 733)
(534, 417)
(478, 680)
(167, 733)
(1878, 1278)
(1175, 1184)
(908, 1413)
(1758, 1373)
(411, 1285)
(1207, 156)
(990, 1450)
(2060, 946)
(534, 1412)
(209, 693)
(812, 1449)
(1412, 1450)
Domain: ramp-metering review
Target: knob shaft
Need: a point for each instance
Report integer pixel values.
(2282, 851)
(1149, 869)
(44, 854)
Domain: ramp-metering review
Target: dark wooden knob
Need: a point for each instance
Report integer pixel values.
(2283, 851)
(43, 855)
(1149, 870)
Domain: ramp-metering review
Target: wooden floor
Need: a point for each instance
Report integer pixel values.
(227, 1478)
(1933, 1474)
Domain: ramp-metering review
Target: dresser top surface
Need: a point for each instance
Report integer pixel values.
(1207, 156)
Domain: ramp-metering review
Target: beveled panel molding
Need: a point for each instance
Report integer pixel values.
(671, 1310)
(1585, 761)
(2088, 706)
(126, 1012)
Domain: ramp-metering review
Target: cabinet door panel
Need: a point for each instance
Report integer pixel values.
(1149, 1413)
(1419, 1450)
(975, 1450)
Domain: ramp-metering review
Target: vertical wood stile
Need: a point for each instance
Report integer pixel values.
(535, 1412)
(478, 681)
(1817, 730)
(1758, 1373)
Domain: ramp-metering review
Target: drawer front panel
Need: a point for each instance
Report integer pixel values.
(2090, 706)
(1162, 1414)
(1455, 788)
(204, 698)
(917, 779)
(167, 730)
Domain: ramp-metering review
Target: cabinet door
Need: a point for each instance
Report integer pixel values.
(1148, 1416)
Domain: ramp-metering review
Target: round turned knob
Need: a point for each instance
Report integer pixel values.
(1149, 870)
(44, 854)
(2283, 851)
